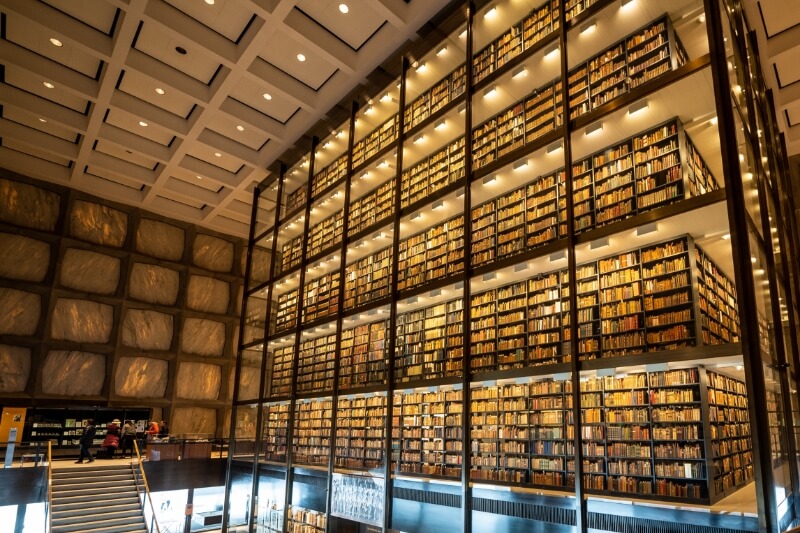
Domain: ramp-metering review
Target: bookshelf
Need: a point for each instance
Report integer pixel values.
(274, 436)
(363, 355)
(429, 342)
(311, 444)
(315, 364)
(302, 520)
(286, 316)
(433, 173)
(326, 234)
(371, 209)
(731, 444)
(360, 432)
(321, 297)
(291, 254)
(280, 382)
(367, 279)
(325, 178)
(717, 298)
(427, 433)
(431, 255)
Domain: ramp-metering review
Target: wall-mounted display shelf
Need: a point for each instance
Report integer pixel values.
(375, 141)
(295, 199)
(367, 280)
(291, 254)
(446, 90)
(431, 255)
(427, 434)
(286, 316)
(360, 431)
(329, 175)
(731, 444)
(326, 235)
(717, 295)
(316, 364)
(302, 520)
(371, 209)
(321, 297)
(432, 173)
(280, 378)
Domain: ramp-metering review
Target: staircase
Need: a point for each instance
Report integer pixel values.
(100, 499)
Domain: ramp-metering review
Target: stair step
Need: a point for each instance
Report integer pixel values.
(63, 511)
(90, 471)
(107, 481)
(87, 489)
(105, 499)
(104, 525)
(95, 514)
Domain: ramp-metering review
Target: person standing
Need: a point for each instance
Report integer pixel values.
(87, 437)
(128, 435)
(111, 442)
(163, 429)
(152, 431)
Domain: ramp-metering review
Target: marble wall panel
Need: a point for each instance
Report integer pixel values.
(259, 270)
(249, 381)
(81, 321)
(73, 373)
(154, 284)
(28, 206)
(198, 381)
(87, 271)
(203, 337)
(141, 377)
(16, 364)
(19, 312)
(23, 258)
(208, 294)
(159, 239)
(147, 330)
(98, 223)
(193, 421)
(213, 253)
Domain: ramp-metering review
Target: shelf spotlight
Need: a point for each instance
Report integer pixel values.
(439, 125)
(462, 108)
(491, 12)
(520, 72)
(638, 106)
(490, 91)
(519, 165)
(594, 128)
(554, 147)
(437, 205)
(551, 50)
(422, 68)
(627, 3)
(386, 98)
(489, 179)
(442, 51)
(419, 138)
(589, 27)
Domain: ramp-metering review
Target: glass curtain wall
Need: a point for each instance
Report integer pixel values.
(539, 278)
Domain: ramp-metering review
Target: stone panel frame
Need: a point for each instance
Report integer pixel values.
(50, 289)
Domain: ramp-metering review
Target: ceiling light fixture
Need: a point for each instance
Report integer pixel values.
(240, 127)
(490, 91)
(210, 2)
(343, 9)
(519, 165)
(422, 67)
(142, 123)
(42, 120)
(48, 84)
(726, 236)
(386, 98)
(442, 51)
(463, 34)
(713, 121)
(638, 106)
(159, 90)
(301, 58)
(491, 12)
(267, 96)
(441, 124)
(418, 139)
(217, 154)
(549, 52)
(627, 3)
(368, 110)
(56, 42)
(593, 128)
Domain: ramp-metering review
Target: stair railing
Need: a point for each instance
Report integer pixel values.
(148, 498)
(49, 504)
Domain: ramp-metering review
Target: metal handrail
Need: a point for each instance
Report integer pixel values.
(49, 486)
(146, 486)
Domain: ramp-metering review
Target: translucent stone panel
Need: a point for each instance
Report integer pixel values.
(154, 284)
(147, 330)
(16, 364)
(141, 377)
(81, 321)
(159, 239)
(203, 337)
(98, 223)
(90, 271)
(23, 258)
(73, 373)
(19, 312)
(28, 206)
(198, 381)
(213, 253)
(193, 421)
(208, 295)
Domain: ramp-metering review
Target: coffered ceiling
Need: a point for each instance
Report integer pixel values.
(180, 106)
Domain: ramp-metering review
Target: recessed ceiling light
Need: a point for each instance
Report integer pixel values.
(56, 42)
(301, 57)
(48, 84)
(199, 177)
(143, 123)
(217, 154)
(181, 50)
(343, 8)
(267, 96)
(210, 2)
(159, 90)
(42, 120)
(240, 127)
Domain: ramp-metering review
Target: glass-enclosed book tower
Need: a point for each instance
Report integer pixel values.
(536, 282)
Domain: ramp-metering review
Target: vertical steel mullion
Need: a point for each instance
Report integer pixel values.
(238, 365)
(737, 214)
(392, 325)
(575, 363)
(466, 489)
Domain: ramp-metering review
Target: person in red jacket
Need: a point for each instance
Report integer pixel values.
(111, 442)
(152, 431)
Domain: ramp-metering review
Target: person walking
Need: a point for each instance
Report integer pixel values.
(111, 442)
(128, 435)
(87, 437)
